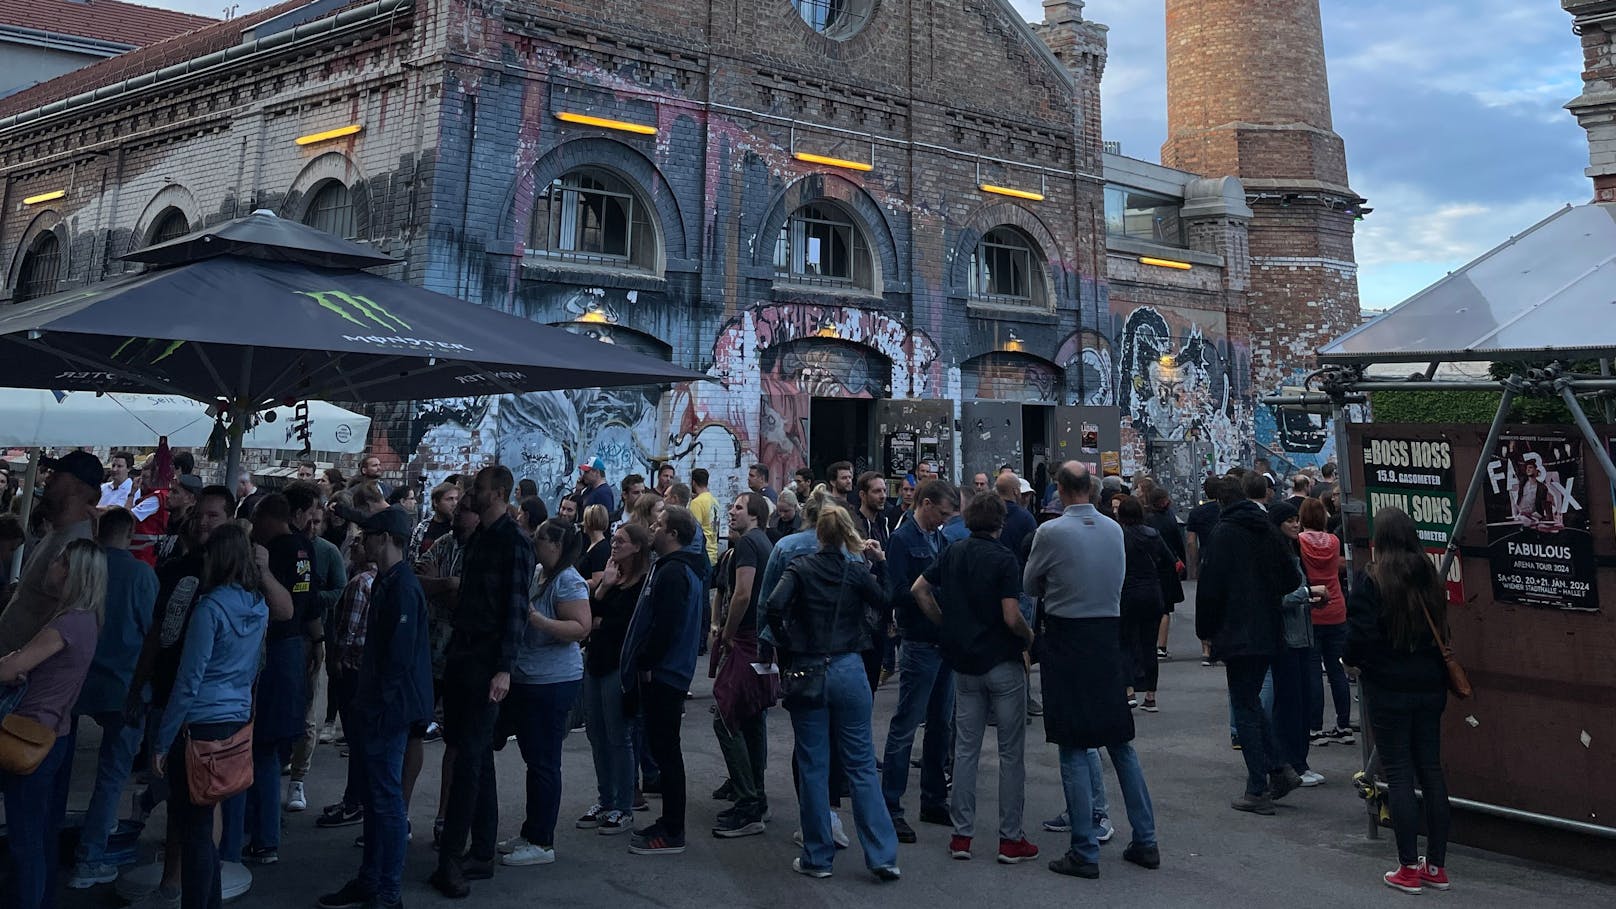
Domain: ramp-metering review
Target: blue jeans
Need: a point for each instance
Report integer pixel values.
(34, 826)
(610, 742)
(118, 746)
(925, 690)
(843, 724)
(1100, 804)
(1330, 643)
(381, 871)
(1264, 697)
(542, 714)
(1077, 772)
(263, 821)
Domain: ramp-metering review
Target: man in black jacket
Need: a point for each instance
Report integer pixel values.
(1237, 608)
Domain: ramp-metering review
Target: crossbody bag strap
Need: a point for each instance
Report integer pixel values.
(1441, 643)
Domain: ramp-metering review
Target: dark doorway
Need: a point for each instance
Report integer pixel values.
(1037, 440)
(840, 429)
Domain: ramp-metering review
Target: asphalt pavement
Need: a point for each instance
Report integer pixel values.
(1315, 852)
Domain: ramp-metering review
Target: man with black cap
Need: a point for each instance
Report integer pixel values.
(68, 506)
(183, 491)
(393, 695)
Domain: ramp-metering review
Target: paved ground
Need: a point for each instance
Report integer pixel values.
(1314, 853)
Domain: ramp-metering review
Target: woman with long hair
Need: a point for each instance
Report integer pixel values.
(1296, 655)
(610, 736)
(821, 615)
(212, 696)
(545, 680)
(1389, 642)
(1148, 564)
(1321, 560)
(52, 666)
(597, 543)
(647, 508)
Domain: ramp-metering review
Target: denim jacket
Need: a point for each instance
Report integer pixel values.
(218, 663)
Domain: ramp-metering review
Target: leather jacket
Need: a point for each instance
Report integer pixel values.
(824, 605)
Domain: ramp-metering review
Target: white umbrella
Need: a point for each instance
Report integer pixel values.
(31, 418)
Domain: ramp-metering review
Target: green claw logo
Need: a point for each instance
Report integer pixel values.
(146, 351)
(355, 308)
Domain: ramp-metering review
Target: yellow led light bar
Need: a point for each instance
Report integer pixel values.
(1014, 193)
(329, 134)
(1164, 263)
(604, 123)
(832, 162)
(51, 196)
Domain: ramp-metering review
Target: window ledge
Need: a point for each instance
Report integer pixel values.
(1131, 246)
(792, 289)
(626, 277)
(1004, 312)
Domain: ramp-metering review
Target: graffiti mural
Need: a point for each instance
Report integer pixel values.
(1086, 357)
(1010, 377)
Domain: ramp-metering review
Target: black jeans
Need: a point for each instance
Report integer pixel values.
(473, 808)
(1251, 724)
(1330, 642)
(199, 857)
(1139, 628)
(1408, 735)
(664, 708)
(542, 720)
(1290, 704)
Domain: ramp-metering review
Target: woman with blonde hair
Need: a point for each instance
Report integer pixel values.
(50, 669)
(645, 510)
(820, 616)
(597, 545)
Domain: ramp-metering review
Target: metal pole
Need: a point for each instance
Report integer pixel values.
(1609, 405)
(1512, 386)
(1600, 453)
(29, 479)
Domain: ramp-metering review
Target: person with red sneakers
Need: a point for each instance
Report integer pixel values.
(973, 591)
(1390, 644)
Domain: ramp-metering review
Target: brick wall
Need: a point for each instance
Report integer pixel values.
(1595, 108)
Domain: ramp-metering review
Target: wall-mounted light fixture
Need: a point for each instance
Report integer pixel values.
(328, 135)
(1027, 194)
(51, 196)
(624, 126)
(828, 329)
(832, 162)
(1013, 343)
(1164, 263)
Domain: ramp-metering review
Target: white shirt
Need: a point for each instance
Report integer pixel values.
(116, 495)
(146, 505)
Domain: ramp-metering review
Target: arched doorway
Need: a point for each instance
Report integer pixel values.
(818, 398)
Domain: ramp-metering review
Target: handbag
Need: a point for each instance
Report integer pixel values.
(217, 770)
(24, 743)
(802, 687)
(1458, 681)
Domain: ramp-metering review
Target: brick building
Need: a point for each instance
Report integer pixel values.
(1248, 96)
(872, 250)
(1595, 108)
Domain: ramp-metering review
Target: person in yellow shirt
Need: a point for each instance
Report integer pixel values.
(705, 510)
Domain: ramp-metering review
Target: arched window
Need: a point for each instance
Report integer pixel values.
(170, 224)
(838, 19)
(1007, 269)
(41, 268)
(592, 216)
(331, 209)
(820, 244)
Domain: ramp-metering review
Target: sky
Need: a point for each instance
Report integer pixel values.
(1451, 111)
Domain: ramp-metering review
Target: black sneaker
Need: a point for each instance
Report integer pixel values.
(1162, 654)
(1070, 864)
(448, 881)
(935, 814)
(1283, 782)
(724, 793)
(1341, 736)
(477, 869)
(260, 855)
(434, 733)
(732, 825)
(340, 815)
(1143, 856)
(653, 840)
(906, 833)
(640, 804)
(352, 895)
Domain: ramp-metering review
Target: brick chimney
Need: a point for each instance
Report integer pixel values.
(1595, 108)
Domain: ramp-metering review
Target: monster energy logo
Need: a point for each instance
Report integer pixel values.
(355, 308)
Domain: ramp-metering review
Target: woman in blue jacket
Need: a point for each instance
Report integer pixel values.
(213, 695)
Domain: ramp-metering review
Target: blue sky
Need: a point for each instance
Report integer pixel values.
(1451, 111)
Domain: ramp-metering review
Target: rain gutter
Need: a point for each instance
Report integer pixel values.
(208, 63)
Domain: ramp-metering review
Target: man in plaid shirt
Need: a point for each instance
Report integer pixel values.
(348, 648)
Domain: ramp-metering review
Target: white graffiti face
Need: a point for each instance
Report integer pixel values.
(1097, 372)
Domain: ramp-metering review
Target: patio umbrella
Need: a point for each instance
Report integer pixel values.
(272, 322)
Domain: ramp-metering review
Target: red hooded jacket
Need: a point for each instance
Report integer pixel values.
(1321, 559)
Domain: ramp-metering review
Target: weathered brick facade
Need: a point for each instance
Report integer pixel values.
(459, 103)
(1248, 95)
(1595, 108)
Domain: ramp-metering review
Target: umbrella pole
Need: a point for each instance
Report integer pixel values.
(232, 461)
(29, 479)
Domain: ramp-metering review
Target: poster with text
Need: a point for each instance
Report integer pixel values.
(1416, 476)
(1537, 526)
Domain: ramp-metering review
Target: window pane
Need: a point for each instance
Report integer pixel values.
(331, 210)
(41, 268)
(170, 225)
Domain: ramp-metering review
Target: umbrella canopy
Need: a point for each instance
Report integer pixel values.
(32, 417)
(262, 235)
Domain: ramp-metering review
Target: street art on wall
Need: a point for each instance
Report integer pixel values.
(1086, 357)
(1010, 377)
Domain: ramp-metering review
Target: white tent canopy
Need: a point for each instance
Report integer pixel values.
(31, 418)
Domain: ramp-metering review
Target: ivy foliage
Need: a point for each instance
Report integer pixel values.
(1478, 406)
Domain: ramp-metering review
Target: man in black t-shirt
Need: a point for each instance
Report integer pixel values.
(739, 723)
(973, 591)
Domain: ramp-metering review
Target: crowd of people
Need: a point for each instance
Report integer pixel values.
(332, 610)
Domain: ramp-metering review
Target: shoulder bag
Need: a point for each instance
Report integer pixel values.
(802, 687)
(24, 743)
(1458, 681)
(217, 770)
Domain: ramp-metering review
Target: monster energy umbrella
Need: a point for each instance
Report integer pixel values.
(248, 332)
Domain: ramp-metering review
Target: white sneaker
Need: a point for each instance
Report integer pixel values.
(508, 847)
(1312, 778)
(837, 834)
(296, 798)
(529, 854)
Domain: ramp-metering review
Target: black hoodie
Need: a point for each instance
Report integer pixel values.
(1247, 572)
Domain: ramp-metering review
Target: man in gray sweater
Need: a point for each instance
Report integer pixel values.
(1076, 567)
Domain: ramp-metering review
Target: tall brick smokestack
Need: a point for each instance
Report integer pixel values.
(1595, 108)
(1248, 95)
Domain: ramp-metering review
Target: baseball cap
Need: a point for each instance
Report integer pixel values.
(393, 521)
(596, 465)
(193, 484)
(1025, 486)
(81, 465)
